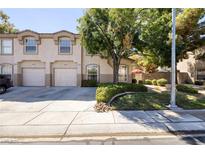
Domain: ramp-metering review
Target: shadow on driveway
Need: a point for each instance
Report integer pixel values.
(39, 94)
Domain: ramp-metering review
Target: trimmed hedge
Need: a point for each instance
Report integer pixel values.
(106, 91)
(134, 81)
(198, 82)
(147, 81)
(89, 83)
(140, 82)
(154, 82)
(186, 89)
(161, 82)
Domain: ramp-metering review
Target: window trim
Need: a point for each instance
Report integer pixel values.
(98, 71)
(127, 73)
(71, 46)
(12, 47)
(24, 46)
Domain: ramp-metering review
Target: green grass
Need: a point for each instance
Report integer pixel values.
(157, 101)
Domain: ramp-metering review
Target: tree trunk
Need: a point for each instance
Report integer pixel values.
(116, 63)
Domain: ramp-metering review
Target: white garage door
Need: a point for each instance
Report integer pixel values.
(65, 77)
(33, 77)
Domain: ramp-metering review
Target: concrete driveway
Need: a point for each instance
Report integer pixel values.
(37, 99)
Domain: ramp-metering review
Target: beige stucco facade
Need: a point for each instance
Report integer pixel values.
(49, 59)
(193, 67)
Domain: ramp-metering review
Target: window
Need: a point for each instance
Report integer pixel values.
(92, 72)
(64, 46)
(30, 45)
(6, 69)
(6, 47)
(123, 73)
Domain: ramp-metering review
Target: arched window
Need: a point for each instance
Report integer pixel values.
(65, 46)
(30, 45)
(92, 72)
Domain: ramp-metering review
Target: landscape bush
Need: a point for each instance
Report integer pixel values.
(134, 81)
(139, 81)
(89, 83)
(148, 81)
(198, 82)
(186, 89)
(106, 91)
(154, 82)
(161, 82)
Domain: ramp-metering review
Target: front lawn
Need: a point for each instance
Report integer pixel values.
(157, 101)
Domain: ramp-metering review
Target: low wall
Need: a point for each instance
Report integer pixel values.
(182, 77)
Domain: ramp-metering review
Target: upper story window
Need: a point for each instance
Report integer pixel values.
(30, 45)
(92, 72)
(6, 47)
(64, 46)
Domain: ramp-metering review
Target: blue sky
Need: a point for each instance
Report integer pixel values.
(45, 20)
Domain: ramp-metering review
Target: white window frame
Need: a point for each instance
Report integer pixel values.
(25, 45)
(97, 67)
(59, 46)
(126, 75)
(2, 47)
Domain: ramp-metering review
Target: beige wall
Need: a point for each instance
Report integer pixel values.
(182, 77)
(49, 58)
(106, 69)
(188, 66)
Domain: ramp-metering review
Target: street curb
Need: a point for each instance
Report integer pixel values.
(194, 132)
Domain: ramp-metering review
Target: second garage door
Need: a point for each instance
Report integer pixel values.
(33, 77)
(65, 77)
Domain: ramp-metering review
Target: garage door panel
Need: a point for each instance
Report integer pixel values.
(65, 77)
(33, 77)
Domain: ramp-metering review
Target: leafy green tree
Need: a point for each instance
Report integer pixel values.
(155, 34)
(189, 31)
(144, 63)
(5, 25)
(110, 33)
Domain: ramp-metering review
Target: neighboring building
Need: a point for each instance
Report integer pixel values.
(54, 59)
(193, 67)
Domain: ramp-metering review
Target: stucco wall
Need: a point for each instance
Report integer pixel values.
(106, 69)
(49, 58)
(188, 66)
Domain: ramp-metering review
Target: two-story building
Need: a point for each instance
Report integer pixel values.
(54, 59)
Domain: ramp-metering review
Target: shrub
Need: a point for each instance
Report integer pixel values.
(187, 89)
(147, 81)
(106, 91)
(161, 82)
(198, 82)
(134, 81)
(139, 81)
(89, 83)
(154, 82)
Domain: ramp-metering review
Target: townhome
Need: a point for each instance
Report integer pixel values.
(54, 59)
(195, 68)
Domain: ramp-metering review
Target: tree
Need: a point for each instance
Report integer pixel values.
(155, 34)
(189, 31)
(144, 63)
(110, 33)
(5, 25)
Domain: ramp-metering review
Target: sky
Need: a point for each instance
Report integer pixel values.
(45, 20)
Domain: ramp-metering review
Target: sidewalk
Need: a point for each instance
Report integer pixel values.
(89, 123)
